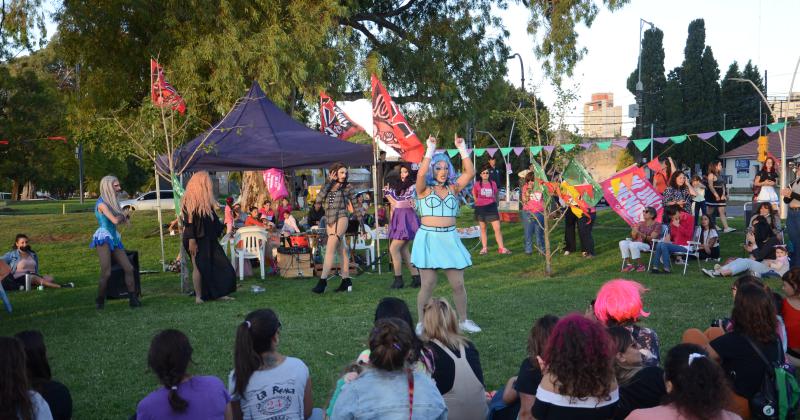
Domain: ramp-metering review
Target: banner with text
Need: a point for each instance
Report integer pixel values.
(628, 192)
(273, 178)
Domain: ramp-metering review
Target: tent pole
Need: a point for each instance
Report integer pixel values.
(375, 200)
(158, 209)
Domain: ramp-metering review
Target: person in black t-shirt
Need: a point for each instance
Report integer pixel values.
(639, 386)
(494, 173)
(54, 393)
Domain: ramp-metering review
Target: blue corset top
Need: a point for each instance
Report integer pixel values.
(433, 205)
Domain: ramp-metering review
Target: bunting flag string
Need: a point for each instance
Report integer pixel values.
(728, 135)
(641, 144)
(505, 151)
(491, 151)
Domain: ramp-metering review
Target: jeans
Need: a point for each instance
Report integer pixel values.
(699, 210)
(663, 252)
(793, 229)
(531, 227)
(741, 265)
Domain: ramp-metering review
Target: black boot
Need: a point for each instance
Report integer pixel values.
(345, 286)
(133, 300)
(100, 302)
(416, 281)
(398, 283)
(320, 287)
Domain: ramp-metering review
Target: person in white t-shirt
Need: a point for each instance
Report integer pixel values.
(17, 400)
(265, 384)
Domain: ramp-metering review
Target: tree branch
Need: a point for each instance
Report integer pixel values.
(363, 29)
(403, 99)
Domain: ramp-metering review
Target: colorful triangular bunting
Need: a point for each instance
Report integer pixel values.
(642, 144)
(728, 135)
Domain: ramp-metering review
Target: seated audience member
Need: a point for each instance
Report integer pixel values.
(383, 215)
(453, 357)
(54, 393)
(523, 386)
(619, 302)
(266, 212)
(777, 267)
(17, 399)
(315, 214)
(761, 242)
(289, 223)
(182, 395)
(675, 240)
(697, 388)
(709, 239)
(754, 321)
(641, 239)
(770, 215)
(239, 216)
(639, 386)
(790, 311)
(283, 207)
(23, 260)
(579, 380)
(390, 389)
(261, 373)
(252, 219)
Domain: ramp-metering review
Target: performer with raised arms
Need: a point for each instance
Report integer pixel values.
(436, 244)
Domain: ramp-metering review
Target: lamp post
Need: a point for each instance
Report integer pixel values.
(513, 124)
(781, 136)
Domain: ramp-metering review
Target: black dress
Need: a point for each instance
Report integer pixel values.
(218, 278)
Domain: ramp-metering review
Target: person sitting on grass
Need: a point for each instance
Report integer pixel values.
(23, 260)
(182, 395)
(619, 302)
(578, 381)
(761, 242)
(697, 388)
(454, 357)
(639, 386)
(641, 239)
(676, 239)
(776, 267)
(261, 373)
(17, 399)
(391, 389)
(55, 393)
(771, 216)
(708, 238)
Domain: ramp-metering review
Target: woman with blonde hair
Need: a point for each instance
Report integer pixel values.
(106, 240)
(212, 274)
(456, 363)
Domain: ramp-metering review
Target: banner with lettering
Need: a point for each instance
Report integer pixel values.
(628, 192)
(273, 178)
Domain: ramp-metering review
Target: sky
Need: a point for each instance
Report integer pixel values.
(764, 31)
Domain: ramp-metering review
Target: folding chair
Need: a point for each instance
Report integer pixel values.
(649, 251)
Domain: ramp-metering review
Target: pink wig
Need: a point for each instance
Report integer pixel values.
(619, 300)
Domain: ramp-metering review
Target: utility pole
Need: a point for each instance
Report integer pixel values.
(724, 115)
(79, 149)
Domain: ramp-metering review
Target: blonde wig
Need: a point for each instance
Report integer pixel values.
(109, 194)
(439, 322)
(199, 196)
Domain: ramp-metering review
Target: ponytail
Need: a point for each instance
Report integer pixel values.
(390, 343)
(169, 357)
(253, 337)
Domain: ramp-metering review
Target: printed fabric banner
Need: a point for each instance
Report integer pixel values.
(390, 126)
(628, 192)
(273, 178)
(333, 121)
(161, 92)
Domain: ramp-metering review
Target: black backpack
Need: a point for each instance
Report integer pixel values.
(779, 395)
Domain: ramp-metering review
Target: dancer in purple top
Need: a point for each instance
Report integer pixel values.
(404, 225)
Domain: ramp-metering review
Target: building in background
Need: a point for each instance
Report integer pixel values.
(601, 119)
(786, 109)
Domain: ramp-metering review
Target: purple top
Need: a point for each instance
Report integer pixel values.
(404, 198)
(206, 395)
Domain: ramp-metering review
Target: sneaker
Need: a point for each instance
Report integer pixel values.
(709, 273)
(728, 230)
(469, 327)
(641, 268)
(69, 285)
(418, 329)
(628, 268)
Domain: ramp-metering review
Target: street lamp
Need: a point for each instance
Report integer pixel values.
(521, 69)
(513, 122)
(639, 85)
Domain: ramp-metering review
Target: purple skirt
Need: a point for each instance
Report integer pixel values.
(404, 224)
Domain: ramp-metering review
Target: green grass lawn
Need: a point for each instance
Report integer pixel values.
(101, 355)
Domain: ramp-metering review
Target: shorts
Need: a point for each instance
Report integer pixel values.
(13, 284)
(487, 213)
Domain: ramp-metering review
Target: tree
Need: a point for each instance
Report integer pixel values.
(21, 27)
(654, 83)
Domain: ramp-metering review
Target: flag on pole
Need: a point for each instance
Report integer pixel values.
(161, 92)
(333, 121)
(576, 175)
(389, 126)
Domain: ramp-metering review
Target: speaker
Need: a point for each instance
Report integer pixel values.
(116, 283)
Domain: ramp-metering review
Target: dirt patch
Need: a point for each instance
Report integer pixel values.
(58, 237)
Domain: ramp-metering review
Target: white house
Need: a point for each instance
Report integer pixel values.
(741, 163)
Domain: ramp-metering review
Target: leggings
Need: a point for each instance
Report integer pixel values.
(335, 239)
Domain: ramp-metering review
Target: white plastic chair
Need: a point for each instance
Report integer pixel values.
(253, 240)
(368, 247)
(229, 247)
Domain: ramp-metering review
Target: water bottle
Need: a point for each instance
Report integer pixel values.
(257, 289)
(27, 282)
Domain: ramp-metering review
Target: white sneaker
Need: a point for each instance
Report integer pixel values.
(729, 230)
(709, 273)
(418, 329)
(469, 327)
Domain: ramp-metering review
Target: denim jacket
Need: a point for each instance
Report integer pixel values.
(377, 394)
(12, 258)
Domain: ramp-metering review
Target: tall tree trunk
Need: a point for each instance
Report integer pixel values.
(548, 255)
(15, 189)
(28, 191)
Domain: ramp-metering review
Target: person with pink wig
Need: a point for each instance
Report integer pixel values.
(619, 302)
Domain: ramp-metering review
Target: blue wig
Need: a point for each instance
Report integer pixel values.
(430, 177)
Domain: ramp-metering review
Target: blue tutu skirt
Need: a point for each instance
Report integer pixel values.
(436, 248)
(404, 224)
(103, 236)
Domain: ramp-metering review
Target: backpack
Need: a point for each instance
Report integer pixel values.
(779, 395)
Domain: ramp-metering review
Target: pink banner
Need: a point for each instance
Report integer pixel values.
(628, 192)
(273, 178)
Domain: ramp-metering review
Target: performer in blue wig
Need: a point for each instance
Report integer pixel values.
(436, 244)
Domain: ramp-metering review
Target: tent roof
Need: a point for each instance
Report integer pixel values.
(256, 134)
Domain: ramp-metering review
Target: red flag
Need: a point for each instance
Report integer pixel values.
(161, 92)
(333, 121)
(390, 126)
(58, 138)
(4, 141)
(654, 165)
